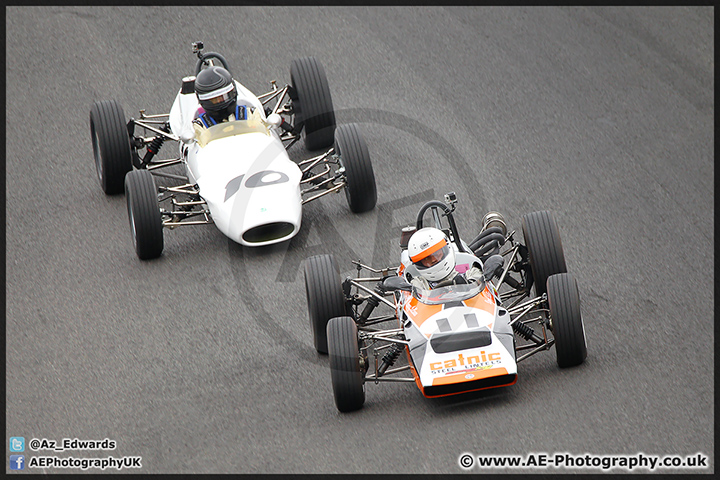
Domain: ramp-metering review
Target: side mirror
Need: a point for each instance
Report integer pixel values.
(493, 267)
(274, 120)
(390, 284)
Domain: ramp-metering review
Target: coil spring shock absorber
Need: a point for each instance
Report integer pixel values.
(153, 149)
(528, 333)
(389, 358)
(523, 330)
(372, 302)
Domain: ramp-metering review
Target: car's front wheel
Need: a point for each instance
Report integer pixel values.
(567, 323)
(346, 367)
(144, 214)
(111, 145)
(360, 187)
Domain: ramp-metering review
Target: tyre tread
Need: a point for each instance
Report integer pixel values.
(317, 113)
(347, 377)
(141, 196)
(108, 119)
(325, 299)
(564, 301)
(542, 238)
(361, 188)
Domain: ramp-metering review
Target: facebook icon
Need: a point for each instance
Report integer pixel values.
(17, 462)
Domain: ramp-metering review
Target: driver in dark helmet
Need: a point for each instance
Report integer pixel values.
(217, 93)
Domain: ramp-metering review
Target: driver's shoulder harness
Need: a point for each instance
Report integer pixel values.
(207, 121)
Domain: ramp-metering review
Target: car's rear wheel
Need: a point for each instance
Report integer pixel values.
(111, 145)
(348, 375)
(144, 214)
(325, 297)
(567, 324)
(360, 187)
(312, 103)
(542, 238)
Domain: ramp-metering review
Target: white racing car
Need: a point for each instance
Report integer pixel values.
(237, 174)
(458, 338)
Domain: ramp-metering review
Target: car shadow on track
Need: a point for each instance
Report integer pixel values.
(480, 398)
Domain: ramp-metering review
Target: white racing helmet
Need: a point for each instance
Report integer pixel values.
(431, 253)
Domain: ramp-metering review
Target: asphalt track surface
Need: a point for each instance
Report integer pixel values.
(202, 361)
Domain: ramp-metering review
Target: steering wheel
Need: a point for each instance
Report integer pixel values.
(206, 57)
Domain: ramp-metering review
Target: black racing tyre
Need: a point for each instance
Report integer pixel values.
(111, 145)
(312, 103)
(542, 238)
(567, 324)
(325, 297)
(144, 214)
(348, 377)
(360, 187)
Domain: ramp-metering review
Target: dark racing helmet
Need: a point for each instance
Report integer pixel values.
(216, 91)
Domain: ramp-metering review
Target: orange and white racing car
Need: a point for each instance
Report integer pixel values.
(465, 336)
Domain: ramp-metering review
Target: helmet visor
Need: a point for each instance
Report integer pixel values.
(433, 258)
(219, 99)
(218, 96)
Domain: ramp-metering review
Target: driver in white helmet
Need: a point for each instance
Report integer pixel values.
(434, 257)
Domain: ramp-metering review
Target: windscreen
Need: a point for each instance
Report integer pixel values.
(451, 293)
(227, 129)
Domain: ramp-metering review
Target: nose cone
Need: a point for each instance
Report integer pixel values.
(252, 189)
(268, 213)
